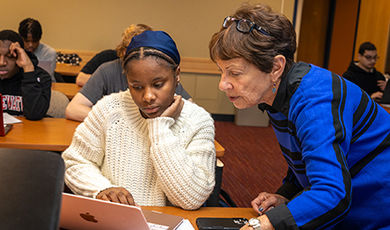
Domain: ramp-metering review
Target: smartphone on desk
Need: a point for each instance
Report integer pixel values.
(214, 223)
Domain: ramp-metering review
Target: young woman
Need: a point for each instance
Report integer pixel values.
(145, 145)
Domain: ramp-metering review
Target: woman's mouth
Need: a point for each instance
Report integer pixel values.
(150, 110)
(232, 99)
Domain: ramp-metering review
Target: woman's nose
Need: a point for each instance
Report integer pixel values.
(2, 60)
(224, 84)
(149, 95)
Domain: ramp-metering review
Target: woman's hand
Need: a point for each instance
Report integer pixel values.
(175, 108)
(264, 223)
(22, 59)
(266, 201)
(117, 195)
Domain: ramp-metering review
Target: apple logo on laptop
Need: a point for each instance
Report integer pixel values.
(88, 217)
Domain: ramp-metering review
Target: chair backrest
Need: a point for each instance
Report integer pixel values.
(31, 184)
(58, 103)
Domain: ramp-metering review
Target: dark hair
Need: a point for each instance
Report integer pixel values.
(32, 26)
(366, 46)
(143, 52)
(256, 47)
(10, 35)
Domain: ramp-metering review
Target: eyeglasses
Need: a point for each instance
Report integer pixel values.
(368, 57)
(243, 25)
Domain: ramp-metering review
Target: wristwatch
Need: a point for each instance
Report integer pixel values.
(255, 223)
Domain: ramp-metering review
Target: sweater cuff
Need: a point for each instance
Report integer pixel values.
(281, 218)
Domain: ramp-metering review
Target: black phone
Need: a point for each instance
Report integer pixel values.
(210, 223)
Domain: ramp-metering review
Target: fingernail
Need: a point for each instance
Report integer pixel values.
(261, 209)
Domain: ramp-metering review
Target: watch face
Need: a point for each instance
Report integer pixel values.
(254, 221)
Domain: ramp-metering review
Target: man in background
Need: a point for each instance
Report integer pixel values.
(31, 32)
(364, 74)
(25, 87)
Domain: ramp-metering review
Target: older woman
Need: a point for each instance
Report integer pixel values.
(334, 138)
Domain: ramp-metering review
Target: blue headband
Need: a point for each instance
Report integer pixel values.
(158, 40)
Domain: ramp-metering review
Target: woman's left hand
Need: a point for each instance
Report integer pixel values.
(266, 201)
(174, 109)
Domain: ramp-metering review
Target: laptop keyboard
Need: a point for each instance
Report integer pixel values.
(157, 226)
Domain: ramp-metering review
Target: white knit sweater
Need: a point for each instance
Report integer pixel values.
(153, 159)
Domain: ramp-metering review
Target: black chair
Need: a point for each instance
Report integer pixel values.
(31, 184)
(219, 197)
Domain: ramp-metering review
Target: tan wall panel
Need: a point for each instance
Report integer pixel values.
(189, 82)
(373, 26)
(96, 24)
(343, 34)
(312, 38)
(207, 87)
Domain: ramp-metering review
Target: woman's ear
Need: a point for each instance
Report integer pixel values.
(177, 75)
(278, 67)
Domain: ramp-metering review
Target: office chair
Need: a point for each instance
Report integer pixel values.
(31, 184)
(58, 103)
(219, 197)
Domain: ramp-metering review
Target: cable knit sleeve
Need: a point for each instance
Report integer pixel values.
(85, 155)
(183, 155)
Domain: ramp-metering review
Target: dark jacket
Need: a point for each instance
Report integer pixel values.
(365, 80)
(28, 93)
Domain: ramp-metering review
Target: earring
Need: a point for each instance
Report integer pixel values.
(273, 87)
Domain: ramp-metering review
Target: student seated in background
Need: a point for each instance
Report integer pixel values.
(89, 68)
(364, 74)
(145, 145)
(31, 32)
(108, 78)
(25, 87)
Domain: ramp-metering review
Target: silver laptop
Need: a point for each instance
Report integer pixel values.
(79, 212)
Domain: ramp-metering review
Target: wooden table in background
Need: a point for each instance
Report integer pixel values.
(69, 89)
(206, 212)
(52, 134)
(73, 70)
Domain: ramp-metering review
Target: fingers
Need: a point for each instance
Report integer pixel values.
(175, 108)
(117, 195)
(268, 204)
(267, 201)
(15, 49)
(257, 202)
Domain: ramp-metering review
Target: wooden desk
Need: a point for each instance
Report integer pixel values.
(205, 212)
(69, 89)
(187, 65)
(386, 107)
(73, 70)
(52, 134)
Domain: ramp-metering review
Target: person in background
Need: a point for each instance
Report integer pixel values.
(91, 66)
(108, 78)
(363, 72)
(31, 32)
(25, 87)
(334, 137)
(145, 145)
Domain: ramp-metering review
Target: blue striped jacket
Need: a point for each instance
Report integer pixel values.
(336, 141)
